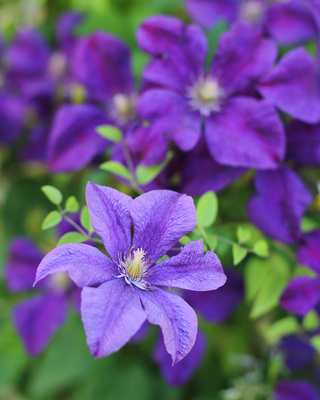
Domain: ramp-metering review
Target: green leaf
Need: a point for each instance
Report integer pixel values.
(255, 273)
(51, 220)
(146, 175)
(238, 253)
(243, 234)
(72, 237)
(315, 341)
(207, 209)
(212, 241)
(116, 168)
(184, 240)
(283, 327)
(72, 204)
(85, 219)
(310, 321)
(275, 280)
(110, 132)
(261, 248)
(52, 193)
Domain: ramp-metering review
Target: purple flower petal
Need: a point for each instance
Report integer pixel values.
(246, 133)
(111, 315)
(190, 270)
(85, 264)
(102, 63)
(11, 118)
(309, 250)
(296, 73)
(303, 143)
(176, 319)
(290, 23)
(180, 51)
(298, 352)
(73, 140)
(301, 295)
(243, 57)
(217, 305)
(38, 318)
(160, 219)
(24, 257)
(278, 207)
(65, 31)
(111, 219)
(209, 12)
(200, 173)
(295, 390)
(172, 115)
(180, 373)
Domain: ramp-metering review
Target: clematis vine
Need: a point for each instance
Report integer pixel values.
(121, 292)
(183, 98)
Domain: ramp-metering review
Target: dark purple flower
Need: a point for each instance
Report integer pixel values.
(121, 293)
(12, 115)
(39, 317)
(297, 352)
(309, 250)
(301, 295)
(279, 205)
(288, 22)
(178, 374)
(240, 131)
(295, 390)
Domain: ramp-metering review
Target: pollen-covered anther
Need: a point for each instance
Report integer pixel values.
(205, 96)
(252, 11)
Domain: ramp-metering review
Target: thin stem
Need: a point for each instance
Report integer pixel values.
(129, 162)
(74, 224)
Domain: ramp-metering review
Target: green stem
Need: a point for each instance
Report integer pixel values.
(129, 162)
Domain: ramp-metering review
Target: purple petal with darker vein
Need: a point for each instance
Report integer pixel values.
(290, 23)
(180, 373)
(246, 133)
(209, 12)
(295, 390)
(11, 118)
(278, 207)
(301, 295)
(73, 140)
(296, 73)
(102, 63)
(200, 173)
(190, 270)
(217, 305)
(111, 219)
(169, 114)
(180, 51)
(297, 352)
(160, 219)
(24, 257)
(176, 319)
(309, 250)
(112, 314)
(242, 58)
(85, 264)
(38, 318)
(303, 143)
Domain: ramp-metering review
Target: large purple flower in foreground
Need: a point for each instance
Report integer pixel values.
(37, 318)
(183, 99)
(121, 292)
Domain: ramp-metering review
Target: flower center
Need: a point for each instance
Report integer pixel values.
(134, 267)
(252, 11)
(57, 64)
(61, 281)
(205, 96)
(123, 108)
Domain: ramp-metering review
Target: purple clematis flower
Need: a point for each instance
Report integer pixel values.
(102, 66)
(39, 317)
(288, 22)
(295, 390)
(279, 205)
(121, 292)
(183, 98)
(298, 352)
(309, 250)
